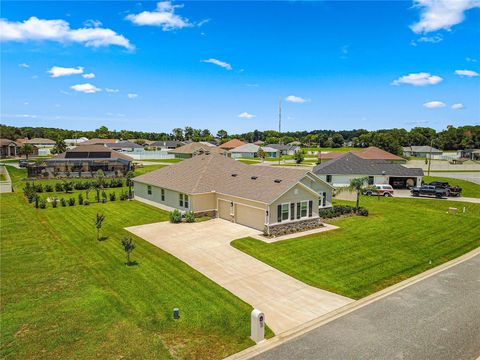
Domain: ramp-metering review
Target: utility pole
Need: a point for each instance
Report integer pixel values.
(279, 125)
(430, 157)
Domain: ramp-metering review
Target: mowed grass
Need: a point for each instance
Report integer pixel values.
(469, 189)
(400, 238)
(67, 295)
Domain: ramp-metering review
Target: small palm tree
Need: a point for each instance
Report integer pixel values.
(26, 150)
(128, 246)
(98, 223)
(358, 185)
(129, 177)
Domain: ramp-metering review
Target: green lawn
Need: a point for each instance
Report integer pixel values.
(249, 162)
(469, 189)
(3, 177)
(400, 238)
(67, 295)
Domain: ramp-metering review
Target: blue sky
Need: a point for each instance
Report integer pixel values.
(335, 65)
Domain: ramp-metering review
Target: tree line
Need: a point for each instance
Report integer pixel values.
(392, 140)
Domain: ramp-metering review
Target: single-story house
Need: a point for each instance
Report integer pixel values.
(370, 153)
(251, 151)
(75, 142)
(338, 172)
(96, 141)
(43, 146)
(421, 151)
(143, 142)
(232, 144)
(285, 149)
(8, 148)
(472, 154)
(127, 146)
(83, 161)
(166, 144)
(196, 148)
(271, 199)
(259, 142)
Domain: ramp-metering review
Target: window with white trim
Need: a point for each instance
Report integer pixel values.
(303, 209)
(180, 200)
(162, 194)
(285, 211)
(149, 190)
(183, 200)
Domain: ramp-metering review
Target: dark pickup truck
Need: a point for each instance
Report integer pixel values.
(450, 190)
(428, 190)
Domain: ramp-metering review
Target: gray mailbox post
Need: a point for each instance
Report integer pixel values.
(258, 326)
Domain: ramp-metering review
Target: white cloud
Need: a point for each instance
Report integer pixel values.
(163, 16)
(24, 65)
(93, 23)
(25, 103)
(419, 79)
(428, 39)
(469, 73)
(457, 106)
(434, 104)
(57, 71)
(246, 115)
(112, 90)
(441, 14)
(295, 99)
(59, 31)
(132, 95)
(469, 59)
(220, 63)
(86, 88)
(89, 76)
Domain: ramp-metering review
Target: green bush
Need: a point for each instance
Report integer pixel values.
(104, 197)
(86, 202)
(71, 201)
(190, 217)
(54, 202)
(38, 188)
(175, 216)
(58, 187)
(362, 211)
(63, 202)
(48, 188)
(80, 199)
(42, 203)
(112, 196)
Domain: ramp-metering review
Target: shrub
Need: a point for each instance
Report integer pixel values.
(112, 196)
(86, 202)
(42, 203)
(71, 201)
(54, 202)
(63, 202)
(67, 186)
(175, 216)
(48, 188)
(58, 187)
(190, 217)
(80, 199)
(123, 196)
(104, 197)
(362, 211)
(38, 188)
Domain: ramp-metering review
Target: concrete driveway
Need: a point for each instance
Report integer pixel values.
(205, 246)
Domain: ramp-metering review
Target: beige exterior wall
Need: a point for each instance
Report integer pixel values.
(319, 187)
(171, 197)
(204, 202)
(296, 194)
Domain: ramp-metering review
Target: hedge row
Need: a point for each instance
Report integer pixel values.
(339, 210)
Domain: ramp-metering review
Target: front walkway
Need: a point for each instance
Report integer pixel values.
(205, 246)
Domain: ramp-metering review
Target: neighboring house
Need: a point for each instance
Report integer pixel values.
(125, 146)
(44, 146)
(75, 142)
(295, 143)
(285, 149)
(370, 153)
(83, 161)
(421, 151)
(8, 148)
(232, 144)
(251, 151)
(338, 172)
(144, 142)
(259, 142)
(167, 144)
(97, 141)
(271, 199)
(471, 154)
(196, 148)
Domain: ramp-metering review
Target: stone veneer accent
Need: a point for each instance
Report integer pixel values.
(292, 227)
(209, 213)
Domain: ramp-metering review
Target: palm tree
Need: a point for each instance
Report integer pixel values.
(26, 150)
(358, 185)
(98, 223)
(128, 246)
(129, 177)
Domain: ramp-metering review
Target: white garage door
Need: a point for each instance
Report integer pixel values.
(249, 216)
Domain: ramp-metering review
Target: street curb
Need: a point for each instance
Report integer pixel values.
(344, 310)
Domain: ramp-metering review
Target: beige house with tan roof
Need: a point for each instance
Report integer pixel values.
(271, 199)
(196, 148)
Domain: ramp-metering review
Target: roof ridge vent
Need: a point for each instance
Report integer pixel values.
(234, 175)
(278, 181)
(254, 177)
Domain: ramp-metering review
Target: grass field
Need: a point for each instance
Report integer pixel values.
(469, 189)
(3, 177)
(67, 295)
(400, 238)
(249, 162)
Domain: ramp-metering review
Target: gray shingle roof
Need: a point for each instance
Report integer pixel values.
(124, 144)
(422, 149)
(216, 173)
(252, 148)
(351, 164)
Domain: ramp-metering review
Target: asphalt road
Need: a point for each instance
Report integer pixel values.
(436, 318)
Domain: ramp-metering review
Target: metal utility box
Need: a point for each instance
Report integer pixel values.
(257, 326)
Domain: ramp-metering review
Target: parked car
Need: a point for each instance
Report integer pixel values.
(23, 163)
(450, 190)
(379, 190)
(428, 190)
